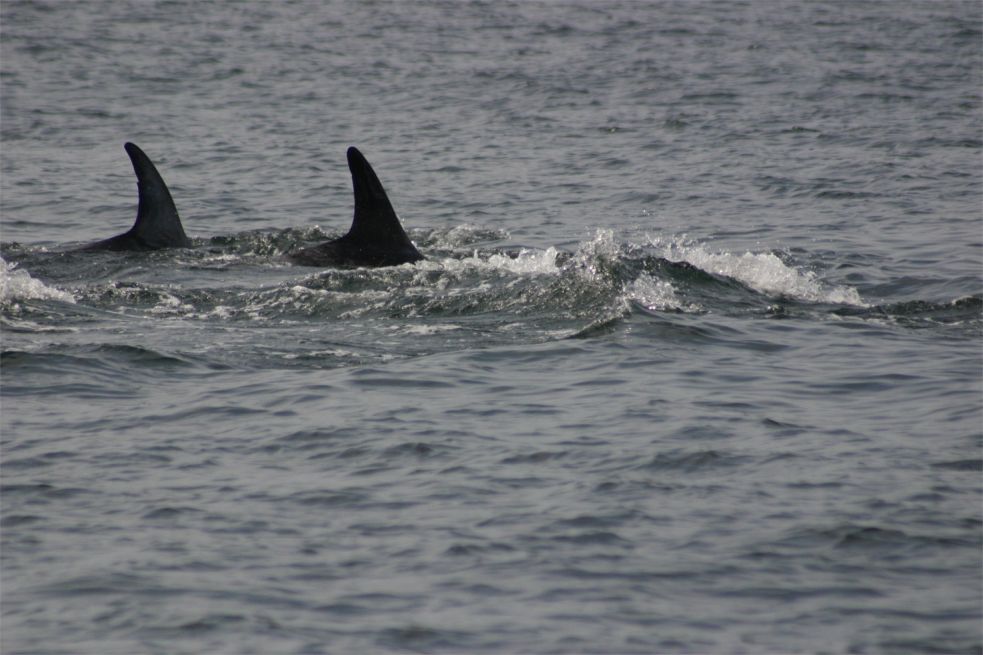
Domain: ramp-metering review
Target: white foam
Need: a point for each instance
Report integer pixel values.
(169, 304)
(764, 272)
(427, 330)
(462, 235)
(526, 262)
(595, 251)
(17, 284)
(656, 295)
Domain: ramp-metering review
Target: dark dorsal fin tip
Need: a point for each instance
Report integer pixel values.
(133, 150)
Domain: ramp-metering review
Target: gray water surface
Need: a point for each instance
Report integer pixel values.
(693, 365)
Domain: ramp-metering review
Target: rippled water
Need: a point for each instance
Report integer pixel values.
(693, 364)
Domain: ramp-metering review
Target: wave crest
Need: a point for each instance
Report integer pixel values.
(18, 285)
(763, 272)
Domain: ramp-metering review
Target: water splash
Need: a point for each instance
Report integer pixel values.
(459, 236)
(657, 295)
(18, 285)
(525, 262)
(595, 256)
(764, 272)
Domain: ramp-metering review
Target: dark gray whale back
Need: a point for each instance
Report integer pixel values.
(376, 237)
(158, 224)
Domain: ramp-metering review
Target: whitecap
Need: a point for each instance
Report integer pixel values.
(764, 272)
(526, 262)
(17, 284)
(658, 295)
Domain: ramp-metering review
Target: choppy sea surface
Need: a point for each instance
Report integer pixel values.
(693, 365)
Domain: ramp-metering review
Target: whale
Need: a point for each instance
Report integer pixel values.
(158, 225)
(376, 237)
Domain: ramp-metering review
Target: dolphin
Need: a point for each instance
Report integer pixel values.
(157, 225)
(376, 237)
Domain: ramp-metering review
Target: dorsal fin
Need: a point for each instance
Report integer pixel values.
(375, 221)
(376, 237)
(158, 224)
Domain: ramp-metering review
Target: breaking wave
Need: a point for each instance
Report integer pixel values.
(17, 285)
(763, 272)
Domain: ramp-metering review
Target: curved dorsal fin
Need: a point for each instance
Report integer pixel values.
(376, 237)
(158, 224)
(375, 220)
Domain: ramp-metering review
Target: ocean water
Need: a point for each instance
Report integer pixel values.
(693, 365)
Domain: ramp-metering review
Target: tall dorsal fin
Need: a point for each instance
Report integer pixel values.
(158, 224)
(375, 220)
(376, 237)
